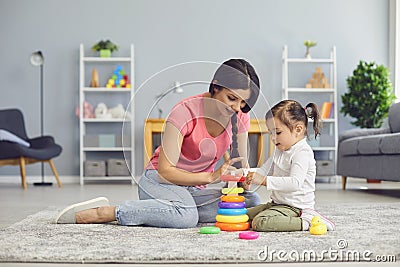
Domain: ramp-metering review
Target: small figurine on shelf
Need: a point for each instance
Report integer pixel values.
(318, 79)
(101, 111)
(119, 79)
(95, 79)
(87, 110)
(105, 48)
(117, 112)
(308, 45)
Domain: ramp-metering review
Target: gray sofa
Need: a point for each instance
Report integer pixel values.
(371, 153)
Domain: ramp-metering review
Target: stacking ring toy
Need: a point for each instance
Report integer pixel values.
(232, 219)
(232, 199)
(233, 226)
(234, 190)
(249, 235)
(231, 205)
(210, 230)
(232, 178)
(232, 211)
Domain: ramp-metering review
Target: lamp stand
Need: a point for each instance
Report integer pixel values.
(42, 183)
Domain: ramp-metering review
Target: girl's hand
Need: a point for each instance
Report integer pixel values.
(249, 178)
(254, 178)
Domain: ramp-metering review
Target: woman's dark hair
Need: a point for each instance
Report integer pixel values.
(289, 112)
(237, 74)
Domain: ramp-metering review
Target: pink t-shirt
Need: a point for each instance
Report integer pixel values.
(200, 151)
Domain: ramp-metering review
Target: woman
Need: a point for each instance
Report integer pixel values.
(198, 133)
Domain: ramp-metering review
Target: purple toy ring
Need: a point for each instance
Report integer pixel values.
(231, 205)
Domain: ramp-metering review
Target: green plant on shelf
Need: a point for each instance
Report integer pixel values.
(105, 48)
(309, 44)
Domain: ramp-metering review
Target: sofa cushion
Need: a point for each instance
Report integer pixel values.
(379, 144)
(394, 118)
(362, 132)
(369, 145)
(349, 147)
(391, 144)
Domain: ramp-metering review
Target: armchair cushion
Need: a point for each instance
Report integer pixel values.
(7, 136)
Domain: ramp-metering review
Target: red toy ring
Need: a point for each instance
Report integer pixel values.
(232, 178)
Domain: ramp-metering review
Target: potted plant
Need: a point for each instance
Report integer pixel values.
(308, 45)
(370, 95)
(105, 48)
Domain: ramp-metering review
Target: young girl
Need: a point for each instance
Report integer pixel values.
(290, 173)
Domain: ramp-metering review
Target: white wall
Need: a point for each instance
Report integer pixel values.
(166, 33)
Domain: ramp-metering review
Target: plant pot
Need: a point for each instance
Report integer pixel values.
(105, 53)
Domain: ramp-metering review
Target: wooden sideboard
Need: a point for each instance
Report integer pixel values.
(156, 126)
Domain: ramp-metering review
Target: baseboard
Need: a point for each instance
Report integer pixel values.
(14, 179)
(65, 179)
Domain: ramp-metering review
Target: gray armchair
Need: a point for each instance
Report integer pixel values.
(16, 148)
(371, 153)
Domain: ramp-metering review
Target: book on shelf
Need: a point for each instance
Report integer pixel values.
(327, 110)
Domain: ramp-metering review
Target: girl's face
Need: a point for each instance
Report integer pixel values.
(281, 135)
(231, 101)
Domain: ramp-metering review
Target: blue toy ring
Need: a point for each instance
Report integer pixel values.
(232, 211)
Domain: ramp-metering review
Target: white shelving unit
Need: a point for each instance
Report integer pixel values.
(291, 91)
(113, 125)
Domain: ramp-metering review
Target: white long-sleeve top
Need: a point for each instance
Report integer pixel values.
(293, 176)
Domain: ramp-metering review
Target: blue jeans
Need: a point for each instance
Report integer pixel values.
(173, 206)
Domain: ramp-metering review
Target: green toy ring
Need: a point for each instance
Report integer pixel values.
(235, 190)
(209, 230)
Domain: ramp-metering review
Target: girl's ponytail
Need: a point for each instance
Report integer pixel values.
(312, 112)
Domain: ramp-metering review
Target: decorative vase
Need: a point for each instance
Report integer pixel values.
(105, 53)
(308, 55)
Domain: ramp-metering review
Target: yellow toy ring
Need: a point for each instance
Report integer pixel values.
(232, 219)
(235, 190)
(233, 226)
(232, 198)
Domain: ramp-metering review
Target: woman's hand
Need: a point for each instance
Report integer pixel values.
(226, 168)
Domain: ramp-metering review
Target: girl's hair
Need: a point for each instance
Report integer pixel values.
(290, 112)
(237, 74)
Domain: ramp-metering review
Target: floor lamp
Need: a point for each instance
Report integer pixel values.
(177, 89)
(37, 59)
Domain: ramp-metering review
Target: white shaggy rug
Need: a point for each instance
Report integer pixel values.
(365, 232)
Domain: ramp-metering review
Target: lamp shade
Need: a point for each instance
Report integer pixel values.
(37, 58)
